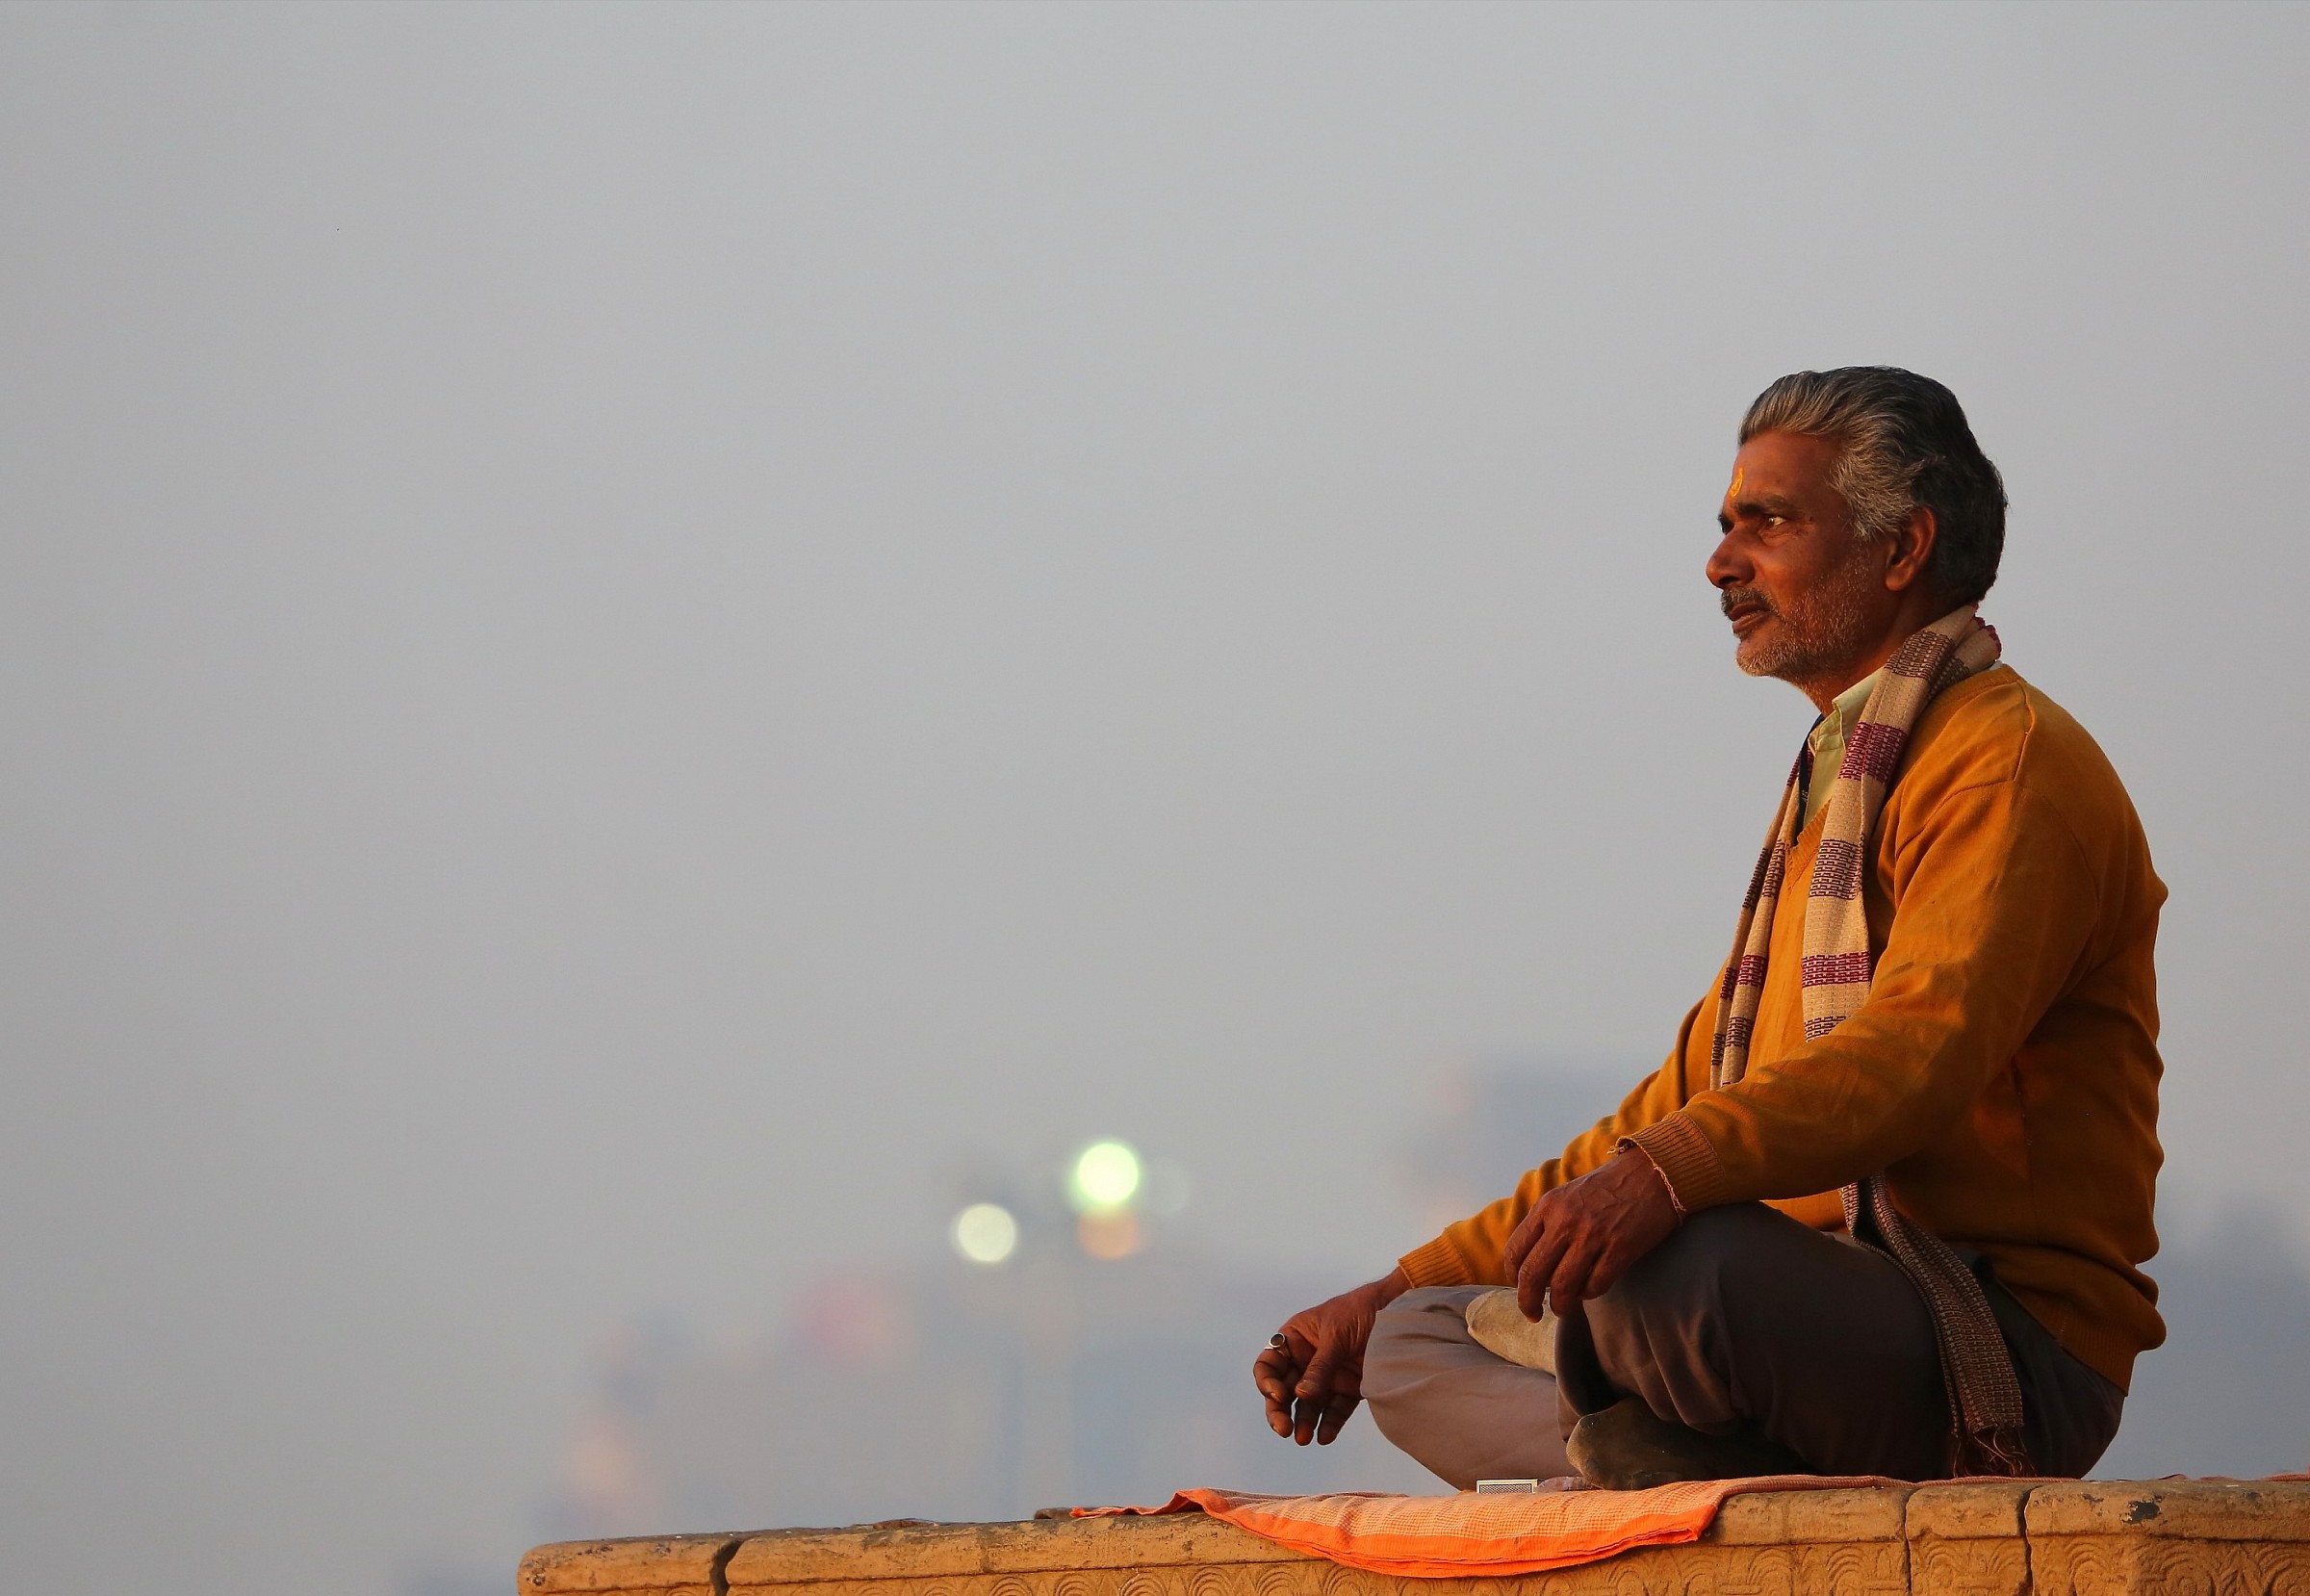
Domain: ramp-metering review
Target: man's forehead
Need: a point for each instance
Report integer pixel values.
(1754, 482)
(1778, 467)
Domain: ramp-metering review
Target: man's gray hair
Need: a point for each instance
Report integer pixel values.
(1906, 444)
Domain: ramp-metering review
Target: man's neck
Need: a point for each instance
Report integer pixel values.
(1826, 689)
(1916, 611)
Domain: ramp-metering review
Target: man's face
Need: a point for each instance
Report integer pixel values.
(1805, 594)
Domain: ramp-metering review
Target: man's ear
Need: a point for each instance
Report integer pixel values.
(1911, 550)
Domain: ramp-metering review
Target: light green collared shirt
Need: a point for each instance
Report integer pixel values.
(1828, 743)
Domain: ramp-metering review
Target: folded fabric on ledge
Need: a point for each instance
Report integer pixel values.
(1562, 1524)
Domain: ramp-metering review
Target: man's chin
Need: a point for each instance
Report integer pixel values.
(1756, 657)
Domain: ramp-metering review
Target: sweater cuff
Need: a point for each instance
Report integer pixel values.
(1437, 1264)
(1685, 1160)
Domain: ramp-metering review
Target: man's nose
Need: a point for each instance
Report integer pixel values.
(1729, 566)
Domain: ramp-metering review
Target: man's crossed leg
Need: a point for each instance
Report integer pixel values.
(1774, 1339)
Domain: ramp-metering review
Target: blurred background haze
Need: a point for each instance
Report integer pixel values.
(644, 649)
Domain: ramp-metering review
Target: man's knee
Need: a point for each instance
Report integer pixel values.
(1697, 1273)
(1408, 1336)
(1462, 1412)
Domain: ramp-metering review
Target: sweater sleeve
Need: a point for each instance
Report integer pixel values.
(1469, 1252)
(1996, 904)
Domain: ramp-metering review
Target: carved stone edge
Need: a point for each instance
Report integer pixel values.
(2128, 1564)
(1968, 1538)
(1043, 1547)
(1964, 1539)
(1838, 1568)
(2261, 1510)
(677, 1565)
(1776, 1518)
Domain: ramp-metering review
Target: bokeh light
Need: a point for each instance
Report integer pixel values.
(986, 1233)
(1106, 1175)
(1109, 1233)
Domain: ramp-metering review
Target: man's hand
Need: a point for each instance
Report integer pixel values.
(1322, 1369)
(1585, 1235)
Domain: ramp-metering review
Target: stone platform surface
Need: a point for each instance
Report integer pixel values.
(2189, 1537)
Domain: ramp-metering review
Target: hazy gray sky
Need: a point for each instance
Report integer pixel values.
(630, 632)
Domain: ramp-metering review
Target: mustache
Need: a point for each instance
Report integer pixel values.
(1729, 599)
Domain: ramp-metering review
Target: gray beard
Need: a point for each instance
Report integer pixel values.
(1818, 633)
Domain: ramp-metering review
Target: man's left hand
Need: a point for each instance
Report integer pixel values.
(1585, 1235)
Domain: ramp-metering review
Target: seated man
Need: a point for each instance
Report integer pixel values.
(1881, 1209)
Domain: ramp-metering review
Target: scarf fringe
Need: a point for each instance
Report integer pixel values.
(2000, 1454)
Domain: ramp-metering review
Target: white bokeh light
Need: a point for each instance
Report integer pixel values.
(986, 1233)
(1106, 1175)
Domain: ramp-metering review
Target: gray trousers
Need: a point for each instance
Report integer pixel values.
(1743, 1319)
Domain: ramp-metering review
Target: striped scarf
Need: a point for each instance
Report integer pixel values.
(1977, 1371)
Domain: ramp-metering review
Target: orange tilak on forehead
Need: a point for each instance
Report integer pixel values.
(1740, 475)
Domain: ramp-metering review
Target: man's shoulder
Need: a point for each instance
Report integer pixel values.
(1999, 730)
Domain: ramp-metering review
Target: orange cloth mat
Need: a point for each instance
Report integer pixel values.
(1564, 1524)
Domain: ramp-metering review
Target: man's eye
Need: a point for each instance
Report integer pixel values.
(1775, 519)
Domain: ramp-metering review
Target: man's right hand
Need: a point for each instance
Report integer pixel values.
(1313, 1384)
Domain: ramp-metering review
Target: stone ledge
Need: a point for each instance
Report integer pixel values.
(2090, 1538)
(2191, 1509)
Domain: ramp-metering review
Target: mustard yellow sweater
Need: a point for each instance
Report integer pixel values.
(2004, 1072)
